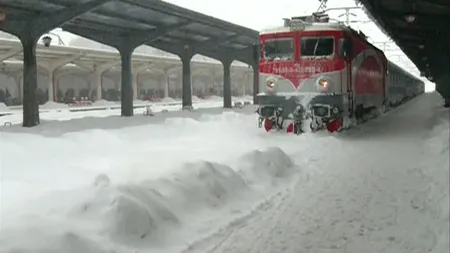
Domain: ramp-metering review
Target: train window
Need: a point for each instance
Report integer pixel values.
(317, 46)
(279, 49)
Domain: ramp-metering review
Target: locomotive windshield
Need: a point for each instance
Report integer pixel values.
(316, 46)
(279, 49)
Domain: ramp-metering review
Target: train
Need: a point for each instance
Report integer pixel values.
(316, 70)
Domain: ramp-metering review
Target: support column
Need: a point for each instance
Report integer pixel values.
(51, 86)
(98, 81)
(97, 76)
(227, 83)
(166, 86)
(186, 83)
(126, 93)
(52, 67)
(30, 102)
(255, 82)
(135, 84)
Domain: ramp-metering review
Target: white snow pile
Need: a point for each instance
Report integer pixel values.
(54, 105)
(195, 98)
(139, 217)
(139, 101)
(4, 108)
(215, 98)
(168, 100)
(103, 102)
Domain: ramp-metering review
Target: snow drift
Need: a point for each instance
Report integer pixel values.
(168, 100)
(4, 108)
(105, 217)
(103, 102)
(54, 105)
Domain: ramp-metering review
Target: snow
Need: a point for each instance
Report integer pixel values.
(54, 105)
(195, 98)
(215, 98)
(211, 181)
(4, 108)
(102, 102)
(102, 111)
(168, 99)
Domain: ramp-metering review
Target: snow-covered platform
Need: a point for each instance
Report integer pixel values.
(212, 181)
(58, 111)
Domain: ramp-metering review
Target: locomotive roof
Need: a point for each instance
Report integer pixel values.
(309, 27)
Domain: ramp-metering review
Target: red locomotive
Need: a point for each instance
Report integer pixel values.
(325, 71)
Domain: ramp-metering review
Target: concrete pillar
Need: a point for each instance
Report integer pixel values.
(192, 84)
(51, 68)
(51, 86)
(166, 86)
(135, 84)
(227, 83)
(186, 83)
(97, 76)
(126, 93)
(30, 102)
(97, 82)
(255, 82)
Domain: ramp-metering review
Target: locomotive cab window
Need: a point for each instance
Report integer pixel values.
(317, 47)
(279, 49)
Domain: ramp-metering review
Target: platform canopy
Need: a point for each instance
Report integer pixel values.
(421, 29)
(136, 22)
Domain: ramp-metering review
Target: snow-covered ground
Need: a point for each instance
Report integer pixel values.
(211, 181)
(58, 111)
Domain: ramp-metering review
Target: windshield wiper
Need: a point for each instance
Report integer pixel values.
(315, 47)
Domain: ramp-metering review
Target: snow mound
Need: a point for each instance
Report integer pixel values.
(54, 105)
(267, 165)
(138, 101)
(195, 99)
(215, 98)
(105, 217)
(168, 100)
(103, 102)
(4, 108)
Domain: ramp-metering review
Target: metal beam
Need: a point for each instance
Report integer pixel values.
(131, 39)
(35, 26)
(244, 55)
(214, 42)
(167, 47)
(400, 14)
(176, 11)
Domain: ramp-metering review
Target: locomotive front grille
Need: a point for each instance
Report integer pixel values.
(321, 111)
(267, 111)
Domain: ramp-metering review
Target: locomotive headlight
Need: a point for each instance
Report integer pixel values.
(335, 110)
(323, 83)
(270, 82)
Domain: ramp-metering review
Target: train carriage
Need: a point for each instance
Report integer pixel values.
(328, 72)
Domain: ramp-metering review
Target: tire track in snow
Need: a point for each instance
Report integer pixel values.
(359, 207)
(212, 242)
